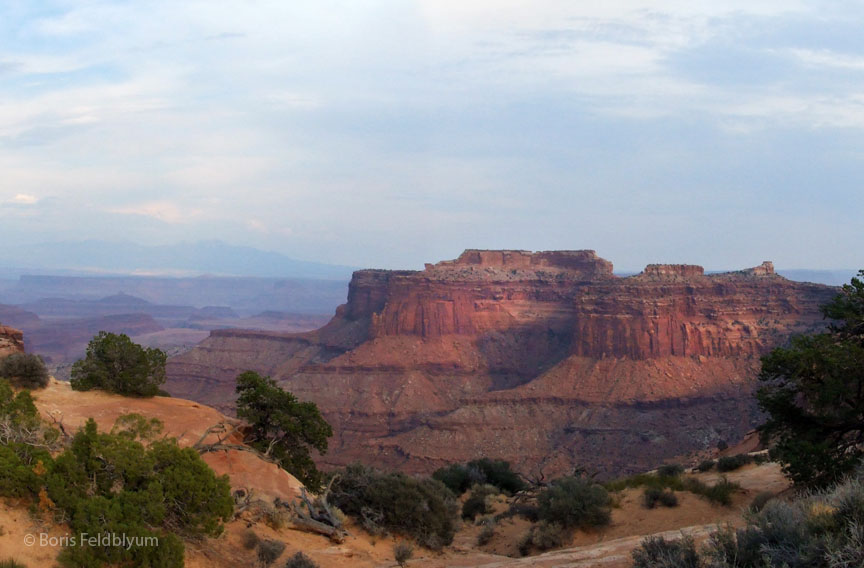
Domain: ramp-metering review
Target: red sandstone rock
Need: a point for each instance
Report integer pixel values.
(11, 341)
(539, 358)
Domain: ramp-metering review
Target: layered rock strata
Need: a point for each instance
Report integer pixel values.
(546, 359)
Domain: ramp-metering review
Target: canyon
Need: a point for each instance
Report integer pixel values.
(546, 359)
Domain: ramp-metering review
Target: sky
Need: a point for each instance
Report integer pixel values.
(395, 132)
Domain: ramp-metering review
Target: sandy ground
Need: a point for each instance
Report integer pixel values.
(187, 420)
(608, 548)
(183, 419)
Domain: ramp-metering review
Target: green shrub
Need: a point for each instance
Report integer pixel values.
(24, 443)
(16, 409)
(114, 363)
(110, 483)
(11, 563)
(731, 463)
(706, 465)
(527, 511)
(196, 500)
(847, 551)
(473, 506)
(478, 502)
(817, 530)
(460, 477)
(18, 466)
(719, 493)
(574, 502)
(668, 499)
(542, 536)
(650, 497)
(546, 535)
(402, 552)
(645, 480)
(654, 496)
(423, 509)
(455, 477)
(300, 560)
(269, 551)
(657, 552)
(779, 533)
(760, 501)
(24, 370)
(250, 539)
(486, 534)
(670, 470)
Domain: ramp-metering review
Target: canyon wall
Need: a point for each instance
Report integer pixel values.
(546, 359)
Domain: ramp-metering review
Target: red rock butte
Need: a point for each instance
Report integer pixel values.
(546, 359)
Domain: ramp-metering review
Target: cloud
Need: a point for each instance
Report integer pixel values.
(263, 227)
(164, 211)
(394, 131)
(23, 199)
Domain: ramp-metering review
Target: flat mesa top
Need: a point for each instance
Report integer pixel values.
(582, 262)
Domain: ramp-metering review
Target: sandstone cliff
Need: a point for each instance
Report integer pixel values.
(540, 358)
(11, 341)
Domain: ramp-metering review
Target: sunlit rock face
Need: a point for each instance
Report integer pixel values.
(546, 359)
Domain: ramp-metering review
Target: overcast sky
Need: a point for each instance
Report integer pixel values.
(389, 133)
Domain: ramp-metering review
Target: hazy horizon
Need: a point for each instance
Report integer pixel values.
(391, 133)
(218, 258)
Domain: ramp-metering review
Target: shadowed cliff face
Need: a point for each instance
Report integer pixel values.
(540, 358)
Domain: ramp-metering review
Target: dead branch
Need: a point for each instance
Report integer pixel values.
(222, 433)
(59, 424)
(208, 448)
(317, 516)
(242, 500)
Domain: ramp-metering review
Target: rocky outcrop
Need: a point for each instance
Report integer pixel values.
(540, 358)
(11, 341)
(184, 420)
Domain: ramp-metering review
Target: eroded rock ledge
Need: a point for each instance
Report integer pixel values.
(544, 357)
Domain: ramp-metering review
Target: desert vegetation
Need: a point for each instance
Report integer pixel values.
(574, 502)
(497, 473)
(719, 493)
(283, 428)
(654, 496)
(477, 502)
(819, 529)
(813, 393)
(124, 482)
(421, 509)
(115, 363)
(300, 560)
(24, 370)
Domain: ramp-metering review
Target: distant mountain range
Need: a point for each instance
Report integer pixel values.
(836, 277)
(215, 258)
